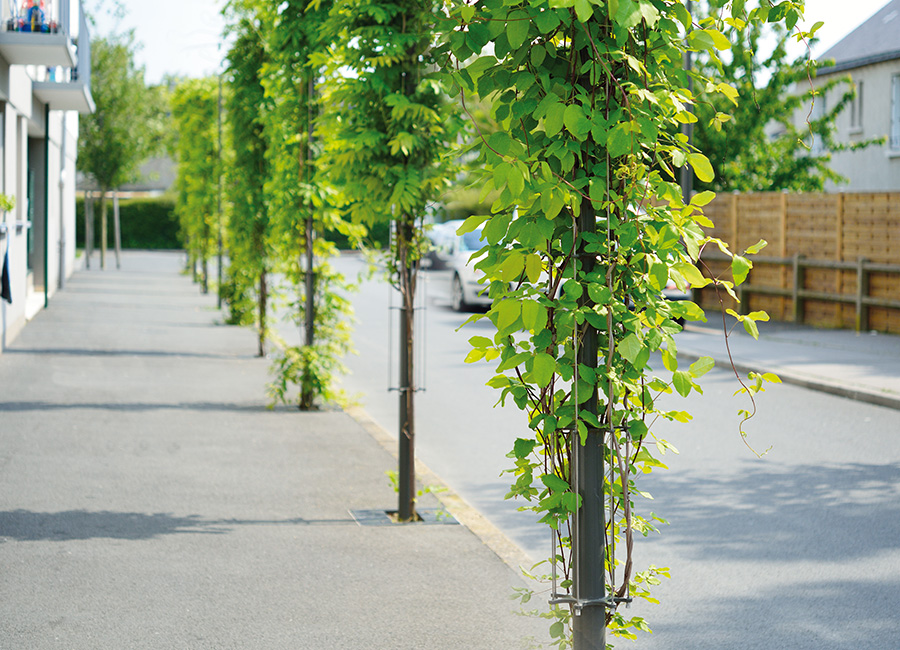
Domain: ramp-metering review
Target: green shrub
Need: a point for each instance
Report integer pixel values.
(146, 223)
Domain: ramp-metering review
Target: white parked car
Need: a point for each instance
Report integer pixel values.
(452, 253)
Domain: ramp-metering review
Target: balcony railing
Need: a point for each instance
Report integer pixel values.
(35, 36)
(51, 39)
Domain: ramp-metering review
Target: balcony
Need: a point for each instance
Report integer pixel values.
(53, 42)
(31, 36)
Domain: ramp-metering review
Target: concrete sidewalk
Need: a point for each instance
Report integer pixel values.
(863, 367)
(149, 499)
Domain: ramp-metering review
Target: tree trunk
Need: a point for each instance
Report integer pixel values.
(262, 306)
(104, 230)
(117, 230)
(406, 510)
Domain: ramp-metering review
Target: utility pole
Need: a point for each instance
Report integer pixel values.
(589, 552)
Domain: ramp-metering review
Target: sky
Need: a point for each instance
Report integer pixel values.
(182, 37)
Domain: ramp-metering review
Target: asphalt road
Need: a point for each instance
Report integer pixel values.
(797, 550)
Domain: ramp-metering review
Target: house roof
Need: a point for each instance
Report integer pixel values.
(876, 40)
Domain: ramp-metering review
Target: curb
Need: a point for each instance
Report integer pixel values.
(858, 394)
(491, 536)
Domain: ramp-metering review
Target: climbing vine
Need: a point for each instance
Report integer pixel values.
(589, 226)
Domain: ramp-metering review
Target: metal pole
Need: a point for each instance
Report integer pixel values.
(589, 623)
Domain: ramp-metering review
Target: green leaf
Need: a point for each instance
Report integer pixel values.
(553, 120)
(533, 267)
(573, 119)
(522, 448)
(619, 141)
(584, 10)
(681, 380)
(719, 39)
(481, 342)
(517, 29)
(630, 347)
(692, 274)
(758, 246)
(508, 312)
(543, 368)
(534, 315)
(470, 224)
(750, 326)
(701, 366)
(554, 483)
(740, 267)
(703, 198)
(702, 167)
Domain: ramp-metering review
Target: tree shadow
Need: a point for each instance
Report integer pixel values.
(824, 513)
(28, 526)
(829, 615)
(135, 406)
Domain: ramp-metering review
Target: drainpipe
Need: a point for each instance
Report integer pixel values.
(46, 205)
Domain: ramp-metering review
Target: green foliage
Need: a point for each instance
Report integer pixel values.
(194, 106)
(314, 368)
(749, 133)
(146, 223)
(249, 237)
(115, 139)
(386, 126)
(282, 208)
(588, 227)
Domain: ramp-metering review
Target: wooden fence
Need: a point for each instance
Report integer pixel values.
(832, 260)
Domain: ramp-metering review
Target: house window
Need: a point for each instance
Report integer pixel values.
(895, 112)
(856, 108)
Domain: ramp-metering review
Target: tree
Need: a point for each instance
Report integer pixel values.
(296, 197)
(387, 129)
(194, 111)
(750, 135)
(248, 231)
(589, 226)
(119, 135)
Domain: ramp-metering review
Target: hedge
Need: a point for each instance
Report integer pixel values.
(146, 223)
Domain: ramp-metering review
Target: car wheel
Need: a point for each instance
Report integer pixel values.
(457, 296)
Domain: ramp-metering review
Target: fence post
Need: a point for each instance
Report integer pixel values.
(862, 289)
(798, 285)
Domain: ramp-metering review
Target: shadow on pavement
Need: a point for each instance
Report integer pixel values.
(27, 526)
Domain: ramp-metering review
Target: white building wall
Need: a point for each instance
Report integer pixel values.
(877, 167)
(23, 122)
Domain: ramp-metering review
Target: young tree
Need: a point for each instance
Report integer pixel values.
(750, 135)
(248, 231)
(589, 226)
(387, 130)
(119, 135)
(194, 112)
(297, 199)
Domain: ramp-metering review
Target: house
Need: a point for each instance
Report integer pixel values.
(45, 82)
(870, 55)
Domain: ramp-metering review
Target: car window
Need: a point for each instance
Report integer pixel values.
(471, 241)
